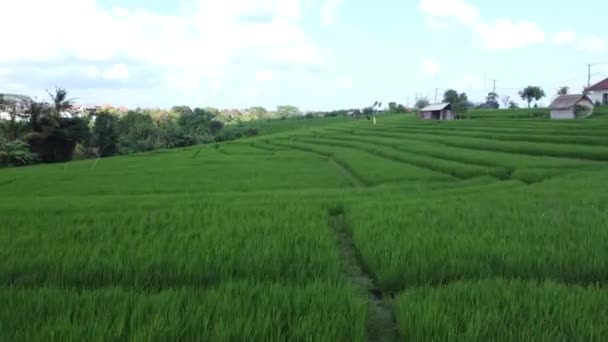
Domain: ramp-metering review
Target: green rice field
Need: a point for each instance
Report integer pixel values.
(488, 229)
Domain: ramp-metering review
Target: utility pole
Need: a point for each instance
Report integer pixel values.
(589, 75)
(494, 88)
(436, 92)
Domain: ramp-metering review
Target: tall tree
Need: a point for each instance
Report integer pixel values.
(492, 100)
(531, 93)
(137, 133)
(459, 102)
(422, 102)
(288, 112)
(105, 134)
(60, 100)
(393, 107)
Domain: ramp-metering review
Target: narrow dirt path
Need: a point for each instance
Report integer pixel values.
(355, 180)
(381, 321)
(343, 169)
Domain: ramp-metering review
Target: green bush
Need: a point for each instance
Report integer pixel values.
(15, 153)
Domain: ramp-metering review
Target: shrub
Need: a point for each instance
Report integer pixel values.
(15, 153)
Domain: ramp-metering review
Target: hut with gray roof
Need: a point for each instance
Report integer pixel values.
(571, 107)
(440, 111)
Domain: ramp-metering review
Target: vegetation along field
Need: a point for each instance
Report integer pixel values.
(488, 229)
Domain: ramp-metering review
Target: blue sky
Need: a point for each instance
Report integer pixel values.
(316, 54)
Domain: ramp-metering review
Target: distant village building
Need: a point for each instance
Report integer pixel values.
(441, 111)
(598, 93)
(571, 107)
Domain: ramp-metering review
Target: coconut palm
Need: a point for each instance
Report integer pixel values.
(60, 100)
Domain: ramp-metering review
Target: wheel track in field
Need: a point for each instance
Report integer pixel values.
(355, 180)
(381, 321)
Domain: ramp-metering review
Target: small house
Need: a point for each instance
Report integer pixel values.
(441, 111)
(598, 93)
(571, 107)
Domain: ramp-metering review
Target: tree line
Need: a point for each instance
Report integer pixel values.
(460, 101)
(46, 132)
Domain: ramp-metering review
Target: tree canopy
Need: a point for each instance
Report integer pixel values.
(531, 93)
(459, 102)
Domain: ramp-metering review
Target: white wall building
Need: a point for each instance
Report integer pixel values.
(571, 107)
(599, 92)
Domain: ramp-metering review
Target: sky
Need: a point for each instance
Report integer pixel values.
(315, 54)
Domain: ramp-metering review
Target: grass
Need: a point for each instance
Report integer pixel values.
(482, 229)
(503, 310)
(238, 311)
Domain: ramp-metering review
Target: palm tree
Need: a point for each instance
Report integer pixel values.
(60, 100)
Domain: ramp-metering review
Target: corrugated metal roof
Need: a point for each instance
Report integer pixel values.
(567, 101)
(603, 85)
(435, 107)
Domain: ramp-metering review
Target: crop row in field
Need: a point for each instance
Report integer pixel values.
(369, 168)
(523, 167)
(143, 249)
(584, 137)
(503, 310)
(598, 153)
(252, 311)
(452, 168)
(547, 231)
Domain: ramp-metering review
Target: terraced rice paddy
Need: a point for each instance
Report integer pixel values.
(491, 229)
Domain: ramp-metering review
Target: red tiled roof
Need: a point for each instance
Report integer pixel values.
(603, 85)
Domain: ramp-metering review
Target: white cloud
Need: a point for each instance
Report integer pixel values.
(501, 34)
(329, 10)
(201, 44)
(505, 34)
(430, 67)
(457, 9)
(591, 43)
(594, 44)
(344, 83)
(116, 72)
(564, 37)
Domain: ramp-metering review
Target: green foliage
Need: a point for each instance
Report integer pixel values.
(215, 127)
(182, 110)
(172, 135)
(503, 310)
(581, 111)
(459, 102)
(137, 133)
(258, 113)
(492, 101)
(235, 132)
(422, 102)
(531, 93)
(60, 101)
(105, 134)
(394, 107)
(288, 112)
(15, 153)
